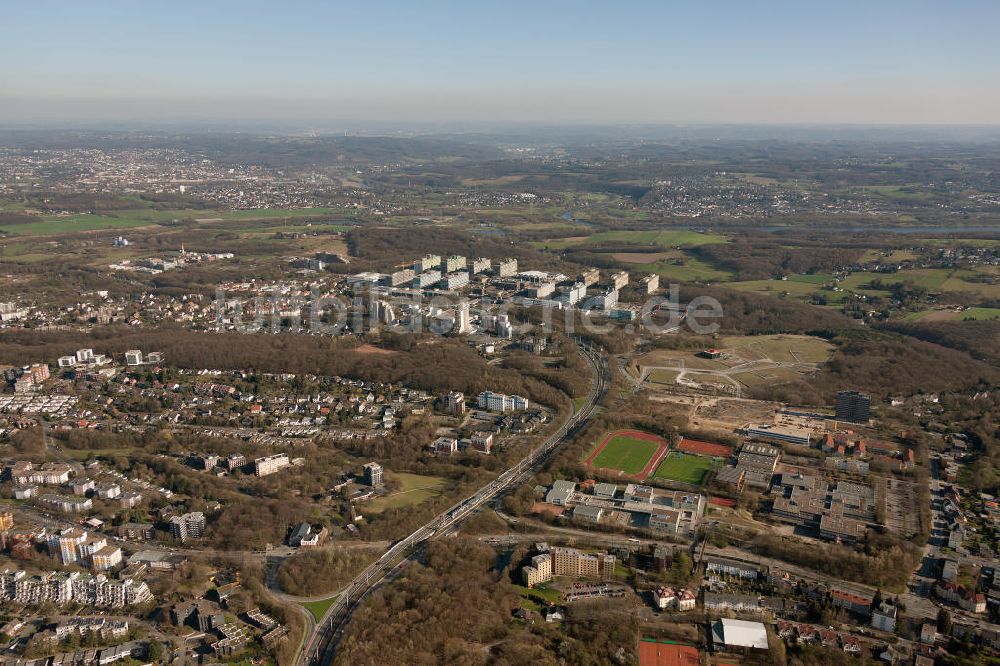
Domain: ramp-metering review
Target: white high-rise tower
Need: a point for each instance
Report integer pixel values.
(462, 322)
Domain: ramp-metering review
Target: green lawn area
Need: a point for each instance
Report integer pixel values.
(951, 242)
(980, 314)
(782, 348)
(663, 376)
(685, 468)
(141, 217)
(815, 279)
(801, 287)
(543, 591)
(319, 608)
(929, 278)
(795, 289)
(414, 489)
(626, 454)
(690, 270)
(654, 238)
(50, 225)
(917, 315)
(909, 191)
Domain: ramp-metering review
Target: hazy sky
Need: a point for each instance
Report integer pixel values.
(836, 61)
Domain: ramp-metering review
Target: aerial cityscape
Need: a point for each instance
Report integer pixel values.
(333, 339)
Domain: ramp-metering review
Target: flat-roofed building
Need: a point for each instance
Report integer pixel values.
(575, 563)
(188, 526)
(399, 278)
(560, 492)
(507, 267)
(539, 571)
(426, 263)
(572, 293)
(731, 477)
(106, 558)
(790, 434)
(590, 514)
(590, 277)
(619, 280)
(649, 284)
(480, 265)
(635, 492)
(455, 280)
(67, 504)
(666, 521)
(605, 490)
(605, 301)
(426, 279)
(541, 289)
(373, 474)
(271, 464)
(498, 402)
(853, 406)
(482, 442)
(454, 402)
(454, 262)
(446, 445)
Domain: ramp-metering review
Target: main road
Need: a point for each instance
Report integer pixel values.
(321, 644)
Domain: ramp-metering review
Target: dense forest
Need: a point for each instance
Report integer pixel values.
(435, 364)
(979, 339)
(454, 607)
(312, 573)
(759, 259)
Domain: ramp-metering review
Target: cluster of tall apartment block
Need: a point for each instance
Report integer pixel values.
(451, 272)
(549, 562)
(71, 587)
(454, 272)
(77, 545)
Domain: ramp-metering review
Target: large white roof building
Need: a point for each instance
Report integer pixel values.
(739, 633)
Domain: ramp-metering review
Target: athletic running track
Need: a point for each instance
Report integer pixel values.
(650, 467)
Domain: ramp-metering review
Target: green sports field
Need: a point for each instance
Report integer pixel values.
(685, 468)
(626, 454)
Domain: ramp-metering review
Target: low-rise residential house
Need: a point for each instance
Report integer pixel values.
(732, 567)
(730, 602)
(679, 599)
(963, 597)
